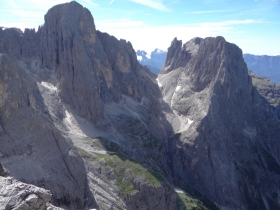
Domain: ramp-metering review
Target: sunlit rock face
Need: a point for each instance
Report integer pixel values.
(17, 195)
(227, 134)
(68, 82)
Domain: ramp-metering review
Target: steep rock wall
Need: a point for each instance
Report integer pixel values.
(229, 147)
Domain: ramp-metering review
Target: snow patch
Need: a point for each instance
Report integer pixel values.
(49, 86)
(178, 88)
(185, 123)
(190, 121)
(72, 125)
(68, 117)
(177, 190)
(159, 84)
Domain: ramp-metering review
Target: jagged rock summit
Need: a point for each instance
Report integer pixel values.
(66, 91)
(227, 134)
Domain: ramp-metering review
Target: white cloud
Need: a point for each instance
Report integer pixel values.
(111, 1)
(147, 37)
(228, 23)
(155, 4)
(214, 1)
(120, 24)
(26, 13)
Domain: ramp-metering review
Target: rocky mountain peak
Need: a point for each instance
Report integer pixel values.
(207, 86)
(63, 25)
(210, 56)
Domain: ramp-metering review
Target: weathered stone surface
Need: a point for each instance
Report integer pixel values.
(18, 44)
(17, 195)
(90, 72)
(152, 197)
(33, 149)
(229, 146)
(267, 89)
(69, 46)
(3, 171)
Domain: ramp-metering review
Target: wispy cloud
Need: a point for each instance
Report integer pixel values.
(231, 22)
(214, 1)
(155, 4)
(111, 2)
(26, 13)
(208, 11)
(123, 24)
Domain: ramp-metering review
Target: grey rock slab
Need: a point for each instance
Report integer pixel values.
(33, 150)
(20, 196)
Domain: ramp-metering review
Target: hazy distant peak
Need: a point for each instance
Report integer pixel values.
(158, 51)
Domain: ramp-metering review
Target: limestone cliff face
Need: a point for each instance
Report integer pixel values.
(228, 148)
(33, 149)
(69, 46)
(18, 44)
(268, 90)
(65, 72)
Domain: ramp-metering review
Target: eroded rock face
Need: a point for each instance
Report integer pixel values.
(71, 65)
(17, 195)
(229, 146)
(69, 46)
(18, 44)
(267, 88)
(33, 149)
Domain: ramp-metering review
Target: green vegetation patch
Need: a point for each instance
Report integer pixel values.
(125, 168)
(83, 152)
(196, 195)
(261, 82)
(191, 203)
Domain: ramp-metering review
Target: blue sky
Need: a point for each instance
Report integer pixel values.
(254, 25)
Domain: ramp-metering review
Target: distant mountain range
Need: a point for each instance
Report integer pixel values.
(263, 65)
(153, 61)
